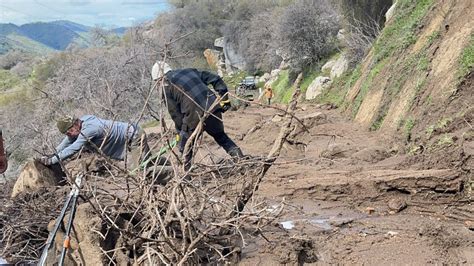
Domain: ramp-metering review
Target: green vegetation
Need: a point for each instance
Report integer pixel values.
(8, 80)
(433, 37)
(440, 125)
(308, 78)
(409, 124)
(233, 81)
(366, 85)
(467, 59)
(7, 98)
(445, 140)
(402, 32)
(378, 122)
(281, 86)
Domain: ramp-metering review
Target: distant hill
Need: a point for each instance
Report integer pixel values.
(45, 37)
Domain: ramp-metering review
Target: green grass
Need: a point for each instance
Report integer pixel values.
(366, 85)
(445, 140)
(13, 97)
(409, 124)
(441, 124)
(8, 80)
(433, 37)
(467, 59)
(308, 78)
(402, 32)
(378, 122)
(233, 81)
(281, 86)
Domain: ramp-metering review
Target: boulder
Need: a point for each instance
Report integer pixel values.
(336, 150)
(219, 42)
(328, 66)
(314, 119)
(390, 12)
(212, 57)
(397, 205)
(86, 241)
(34, 176)
(341, 36)
(317, 86)
(371, 154)
(340, 66)
(264, 78)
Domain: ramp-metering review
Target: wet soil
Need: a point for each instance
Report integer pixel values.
(351, 196)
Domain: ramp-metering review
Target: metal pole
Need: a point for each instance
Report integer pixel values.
(51, 236)
(67, 241)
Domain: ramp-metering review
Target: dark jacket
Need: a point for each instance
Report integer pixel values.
(188, 96)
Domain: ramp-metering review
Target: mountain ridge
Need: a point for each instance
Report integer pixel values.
(55, 36)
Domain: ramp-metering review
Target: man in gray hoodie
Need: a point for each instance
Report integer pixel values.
(114, 139)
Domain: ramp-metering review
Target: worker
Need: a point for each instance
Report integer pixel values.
(188, 97)
(114, 139)
(268, 94)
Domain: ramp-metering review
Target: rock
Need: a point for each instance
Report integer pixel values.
(317, 86)
(469, 225)
(336, 150)
(85, 241)
(390, 234)
(274, 73)
(212, 58)
(265, 77)
(397, 205)
(341, 36)
(390, 12)
(328, 66)
(340, 66)
(371, 154)
(369, 210)
(277, 118)
(219, 42)
(314, 119)
(34, 176)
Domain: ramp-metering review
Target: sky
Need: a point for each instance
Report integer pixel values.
(103, 13)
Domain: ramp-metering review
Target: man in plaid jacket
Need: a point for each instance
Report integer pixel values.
(188, 97)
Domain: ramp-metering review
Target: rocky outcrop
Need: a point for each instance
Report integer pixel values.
(34, 176)
(215, 60)
(390, 11)
(317, 86)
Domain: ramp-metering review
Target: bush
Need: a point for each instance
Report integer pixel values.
(307, 31)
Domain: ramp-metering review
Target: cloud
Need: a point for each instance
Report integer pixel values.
(86, 12)
(79, 2)
(143, 2)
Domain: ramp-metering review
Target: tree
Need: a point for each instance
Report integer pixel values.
(307, 31)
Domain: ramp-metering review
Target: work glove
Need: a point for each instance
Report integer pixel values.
(178, 138)
(46, 160)
(225, 105)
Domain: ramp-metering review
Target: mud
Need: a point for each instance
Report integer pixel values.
(354, 196)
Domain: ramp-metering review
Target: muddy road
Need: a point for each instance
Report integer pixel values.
(350, 196)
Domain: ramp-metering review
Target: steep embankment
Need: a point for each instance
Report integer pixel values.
(416, 82)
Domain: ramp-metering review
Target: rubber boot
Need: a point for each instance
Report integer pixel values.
(236, 153)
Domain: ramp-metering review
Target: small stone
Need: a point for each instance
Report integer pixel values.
(391, 212)
(397, 205)
(469, 225)
(370, 210)
(391, 234)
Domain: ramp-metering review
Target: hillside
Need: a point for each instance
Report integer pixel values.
(44, 37)
(376, 170)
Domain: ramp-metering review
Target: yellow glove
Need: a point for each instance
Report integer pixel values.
(225, 105)
(177, 137)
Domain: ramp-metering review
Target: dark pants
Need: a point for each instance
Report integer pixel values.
(214, 127)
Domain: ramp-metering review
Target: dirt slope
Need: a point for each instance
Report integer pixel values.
(350, 197)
